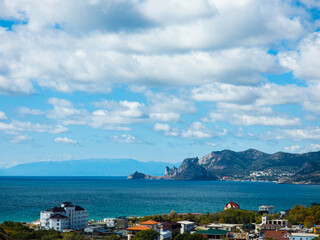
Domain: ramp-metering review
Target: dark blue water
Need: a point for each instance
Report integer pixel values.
(22, 198)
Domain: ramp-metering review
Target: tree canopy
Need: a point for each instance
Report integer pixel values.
(146, 235)
(188, 236)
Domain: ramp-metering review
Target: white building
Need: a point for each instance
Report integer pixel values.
(303, 236)
(267, 208)
(186, 226)
(222, 226)
(280, 222)
(65, 217)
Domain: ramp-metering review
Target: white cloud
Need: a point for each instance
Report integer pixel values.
(125, 138)
(195, 130)
(65, 140)
(311, 3)
(28, 111)
(3, 116)
(20, 139)
(302, 61)
(313, 147)
(168, 108)
(112, 115)
(124, 108)
(247, 120)
(293, 148)
(16, 126)
(166, 129)
(161, 127)
(311, 133)
(86, 46)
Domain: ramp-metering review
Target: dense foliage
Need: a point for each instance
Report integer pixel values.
(113, 237)
(146, 235)
(307, 216)
(18, 231)
(188, 236)
(236, 216)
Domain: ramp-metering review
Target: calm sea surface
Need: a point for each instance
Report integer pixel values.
(22, 198)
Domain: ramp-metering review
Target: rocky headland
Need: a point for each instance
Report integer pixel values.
(249, 165)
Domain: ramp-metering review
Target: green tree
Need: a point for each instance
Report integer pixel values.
(72, 236)
(188, 236)
(196, 236)
(114, 237)
(146, 235)
(309, 221)
(182, 236)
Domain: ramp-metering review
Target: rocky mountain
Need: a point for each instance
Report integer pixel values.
(139, 176)
(249, 165)
(308, 174)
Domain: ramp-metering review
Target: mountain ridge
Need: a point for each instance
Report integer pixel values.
(250, 164)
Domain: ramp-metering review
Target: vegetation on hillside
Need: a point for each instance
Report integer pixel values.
(237, 216)
(307, 216)
(188, 236)
(17, 231)
(146, 235)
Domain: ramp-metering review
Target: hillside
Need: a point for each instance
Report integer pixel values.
(251, 165)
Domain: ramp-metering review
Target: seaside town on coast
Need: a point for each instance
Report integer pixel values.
(69, 221)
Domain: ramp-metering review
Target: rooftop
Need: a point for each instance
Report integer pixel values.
(56, 209)
(185, 222)
(149, 222)
(58, 216)
(138, 228)
(213, 232)
(304, 234)
(78, 208)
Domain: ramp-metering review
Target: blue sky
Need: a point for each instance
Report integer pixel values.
(157, 80)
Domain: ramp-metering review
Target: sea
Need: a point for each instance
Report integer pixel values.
(22, 198)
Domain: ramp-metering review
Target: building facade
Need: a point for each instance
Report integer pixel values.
(303, 236)
(147, 225)
(67, 216)
(267, 208)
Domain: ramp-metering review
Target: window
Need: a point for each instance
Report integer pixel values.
(57, 224)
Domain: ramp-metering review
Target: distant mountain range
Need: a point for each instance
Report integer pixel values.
(251, 165)
(88, 167)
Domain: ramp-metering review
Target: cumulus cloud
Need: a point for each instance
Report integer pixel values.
(16, 126)
(125, 138)
(196, 130)
(301, 61)
(168, 108)
(20, 139)
(3, 116)
(166, 129)
(293, 148)
(86, 45)
(310, 133)
(247, 120)
(65, 140)
(111, 115)
(28, 111)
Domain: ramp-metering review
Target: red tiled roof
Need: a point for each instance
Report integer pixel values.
(279, 235)
(149, 222)
(232, 204)
(138, 228)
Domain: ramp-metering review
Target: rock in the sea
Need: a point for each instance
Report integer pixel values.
(137, 175)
